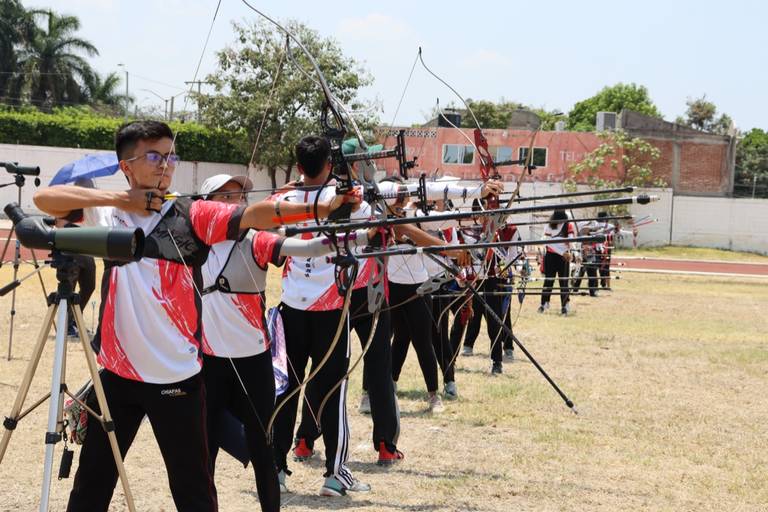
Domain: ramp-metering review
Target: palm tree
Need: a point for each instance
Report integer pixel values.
(55, 73)
(104, 90)
(16, 27)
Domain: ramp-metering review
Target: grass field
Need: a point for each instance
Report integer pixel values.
(668, 373)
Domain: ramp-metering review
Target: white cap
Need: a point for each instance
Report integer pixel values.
(214, 183)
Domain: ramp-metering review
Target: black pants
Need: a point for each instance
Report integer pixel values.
(377, 376)
(496, 303)
(605, 269)
(225, 392)
(177, 414)
(555, 264)
(308, 334)
(86, 281)
(441, 336)
(412, 322)
(589, 266)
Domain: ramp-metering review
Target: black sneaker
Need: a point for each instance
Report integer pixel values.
(496, 368)
(72, 330)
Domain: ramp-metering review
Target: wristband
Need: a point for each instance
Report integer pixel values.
(277, 213)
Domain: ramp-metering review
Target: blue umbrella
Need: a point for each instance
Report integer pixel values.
(91, 166)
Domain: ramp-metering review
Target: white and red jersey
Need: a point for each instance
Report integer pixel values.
(150, 321)
(234, 323)
(308, 283)
(561, 230)
(450, 237)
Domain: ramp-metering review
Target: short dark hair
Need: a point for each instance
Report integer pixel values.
(312, 154)
(131, 133)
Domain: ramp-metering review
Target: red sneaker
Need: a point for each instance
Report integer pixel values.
(388, 458)
(302, 452)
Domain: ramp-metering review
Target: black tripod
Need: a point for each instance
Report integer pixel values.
(60, 303)
(19, 181)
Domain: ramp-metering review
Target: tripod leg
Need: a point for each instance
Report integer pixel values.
(16, 257)
(53, 432)
(106, 417)
(13, 417)
(39, 276)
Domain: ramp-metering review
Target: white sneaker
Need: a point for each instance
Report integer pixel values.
(332, 487)
(566, 310)
(365, 404)
(509, 354)
(281, 480)
(466, 351)
(544, 307)
(450, 390)
(435, 404)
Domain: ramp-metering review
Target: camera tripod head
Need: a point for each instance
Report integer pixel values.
(20, 172)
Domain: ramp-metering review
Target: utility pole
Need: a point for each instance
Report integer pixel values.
(127, 95)
(199, 85)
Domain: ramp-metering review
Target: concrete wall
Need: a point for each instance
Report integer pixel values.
(738, 224)
(187, 178)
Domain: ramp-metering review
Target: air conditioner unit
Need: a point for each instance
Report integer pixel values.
(606, 121)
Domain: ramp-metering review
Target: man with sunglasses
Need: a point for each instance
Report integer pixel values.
(149, 334)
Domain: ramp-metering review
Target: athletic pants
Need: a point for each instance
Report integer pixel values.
(377, 376)
(177, 414)
(496, 303)
(555, 264)
(308, 334)
(589, 266)
(86, 281)
(441, 338)
(412, 322)
(605, 269)
(224, 391)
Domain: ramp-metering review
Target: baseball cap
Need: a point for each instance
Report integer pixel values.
(214, 183)
(350, 146)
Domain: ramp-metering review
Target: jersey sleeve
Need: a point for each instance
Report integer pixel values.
(96, 216)
(266, 248)
(215, 222)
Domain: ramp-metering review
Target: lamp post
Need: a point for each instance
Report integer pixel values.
(163, 99)
(127, 95)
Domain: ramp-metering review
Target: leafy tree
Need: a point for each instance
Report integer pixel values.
(752, 159)
(496, 114)
(702, 115)
(259, 82)
(630, 159)
(55, 72)
(489, 114)
(611, 99)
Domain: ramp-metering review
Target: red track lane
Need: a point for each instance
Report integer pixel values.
(714, 267)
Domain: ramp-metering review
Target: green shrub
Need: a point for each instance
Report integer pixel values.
(78, 128)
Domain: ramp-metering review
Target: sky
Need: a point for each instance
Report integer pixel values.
(543, 53)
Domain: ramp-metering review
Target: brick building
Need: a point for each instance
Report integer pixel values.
(691, 162)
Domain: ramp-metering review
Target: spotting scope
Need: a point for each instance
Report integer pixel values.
(38, 232)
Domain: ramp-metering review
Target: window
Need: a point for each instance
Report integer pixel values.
(458, 154)
(501, 153)
(539, 156)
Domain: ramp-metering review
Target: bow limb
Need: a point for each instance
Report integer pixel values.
(316, 367)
